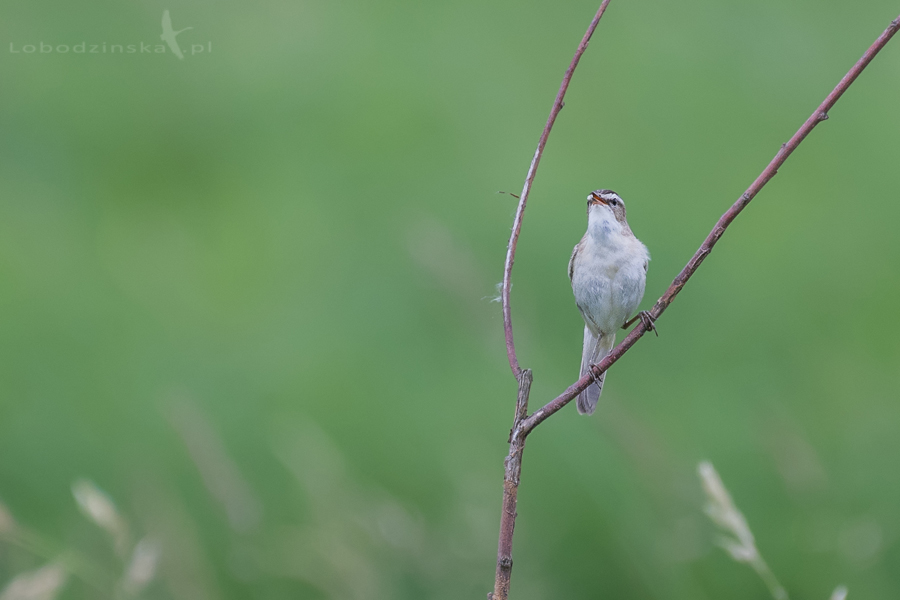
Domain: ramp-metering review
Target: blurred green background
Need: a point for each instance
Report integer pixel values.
(248, 295)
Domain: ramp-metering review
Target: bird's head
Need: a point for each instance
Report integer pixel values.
(607, 200)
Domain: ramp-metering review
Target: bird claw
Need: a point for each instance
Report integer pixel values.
(646, 318)
(648, 321)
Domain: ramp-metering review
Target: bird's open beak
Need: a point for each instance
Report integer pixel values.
(596, 199)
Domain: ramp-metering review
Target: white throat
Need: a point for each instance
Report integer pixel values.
(603, 228)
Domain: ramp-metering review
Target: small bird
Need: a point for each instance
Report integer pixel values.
(608, 271)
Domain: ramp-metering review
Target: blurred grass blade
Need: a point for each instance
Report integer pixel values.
(839, 593)
(42, 584)
(218, 470)
(142, 568)
(97, 506)
(738, 540)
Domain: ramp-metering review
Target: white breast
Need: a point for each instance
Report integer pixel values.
(609, 273)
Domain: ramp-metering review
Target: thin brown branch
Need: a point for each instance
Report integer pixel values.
(819, 115)
(513, 463)
(512, 470)
(523, 199)
(524, 425)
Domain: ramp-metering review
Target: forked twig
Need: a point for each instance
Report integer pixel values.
(819, 115)
(517, 436)
(522, 424)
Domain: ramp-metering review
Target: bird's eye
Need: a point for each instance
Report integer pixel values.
(613, 201)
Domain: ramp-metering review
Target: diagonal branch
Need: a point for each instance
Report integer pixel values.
(523, 199)
(522, 424)
(819, 115)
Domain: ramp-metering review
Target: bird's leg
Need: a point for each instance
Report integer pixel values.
(646, 318)
(591, 366)
(595, 377)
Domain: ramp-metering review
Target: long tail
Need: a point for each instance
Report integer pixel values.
(593, 351)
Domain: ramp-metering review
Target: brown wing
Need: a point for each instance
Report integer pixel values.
(572, 260)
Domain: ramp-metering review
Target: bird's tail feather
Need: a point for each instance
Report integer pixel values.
(594, 350)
